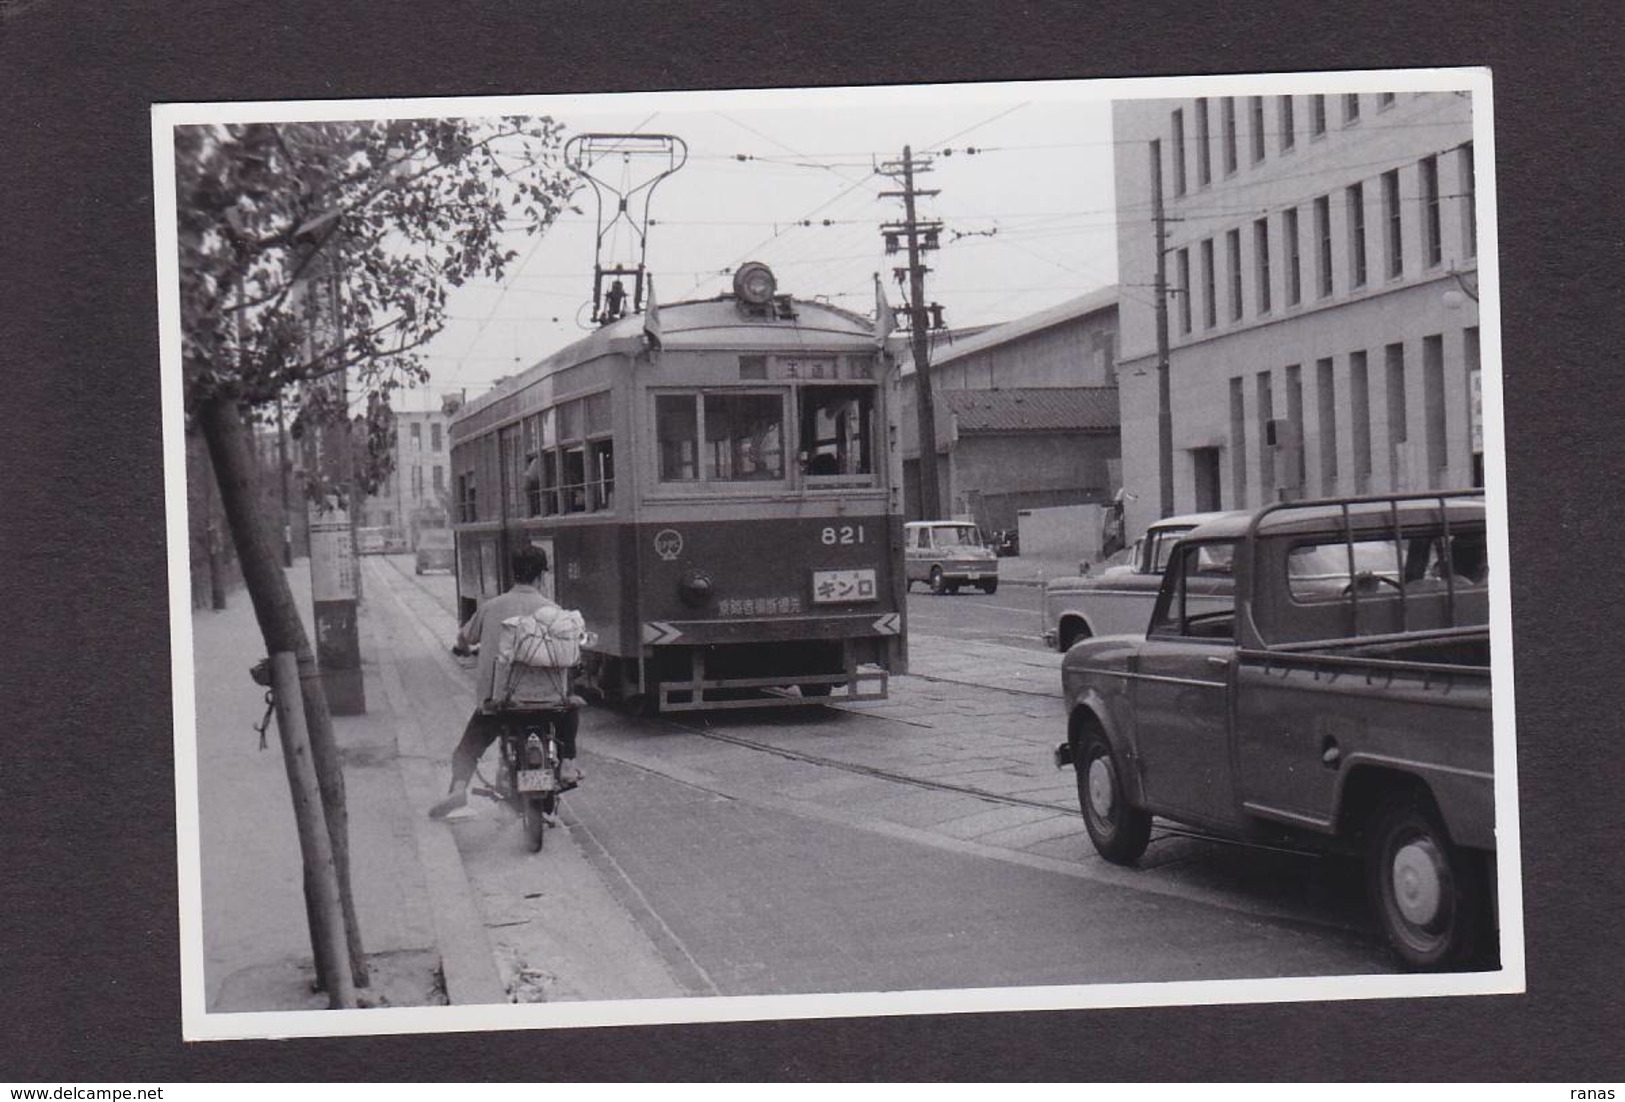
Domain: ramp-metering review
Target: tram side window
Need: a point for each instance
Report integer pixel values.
(465, 498)
(677, 428)
(836, 436)
(533, 468)
(575, 479)
(601, 469)
(513, 472)
(744, 436)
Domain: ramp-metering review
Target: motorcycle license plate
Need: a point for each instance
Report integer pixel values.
(536, 780)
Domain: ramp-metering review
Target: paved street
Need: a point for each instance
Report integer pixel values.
(918, 843)
(866, 846)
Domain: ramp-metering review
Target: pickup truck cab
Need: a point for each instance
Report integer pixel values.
(946, 554)
(1316, 674)
(1118, 599)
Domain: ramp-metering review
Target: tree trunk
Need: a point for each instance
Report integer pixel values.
(260, 558)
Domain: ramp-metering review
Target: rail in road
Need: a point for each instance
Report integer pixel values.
(957, 757)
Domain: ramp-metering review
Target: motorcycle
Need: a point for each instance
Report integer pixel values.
(536, 667)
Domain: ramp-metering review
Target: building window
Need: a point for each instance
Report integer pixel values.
(1351, 108)
(1317, 116)
(1433, 404)
(1469, 188)
(1227, 117)
(435, 443)
(1233, 240)
(1360, 420)
(1258, 128)
(1385, 100)
(1179, 151)
(1326, 401)
(439, 478)
(417, 437)
(1432, 245)
(1182, 267)
(1238, 443)
(1398, 413)
(1323, 245)
(1261, 262)
(1204, 150)
(1394, 236)
(1356, 205)
(1210, 304)
(1266, 461)
(1294, 416)
(1294, 268)
(1288, 125)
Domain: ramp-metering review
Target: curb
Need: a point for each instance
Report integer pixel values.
(467, 962)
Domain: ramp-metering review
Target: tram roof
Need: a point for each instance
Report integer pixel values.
(716, 323)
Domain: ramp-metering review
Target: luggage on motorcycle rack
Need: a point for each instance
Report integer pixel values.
(536, 655)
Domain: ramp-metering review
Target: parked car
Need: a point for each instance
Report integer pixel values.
(946, 554)
(1116, 596)
(1330, 692)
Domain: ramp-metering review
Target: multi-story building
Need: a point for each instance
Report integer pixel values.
(1321, 266)
(1026, 413)
(420, 484)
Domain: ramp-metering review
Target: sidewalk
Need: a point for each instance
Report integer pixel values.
(256, 941)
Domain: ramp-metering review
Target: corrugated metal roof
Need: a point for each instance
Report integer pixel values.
(1014, 409)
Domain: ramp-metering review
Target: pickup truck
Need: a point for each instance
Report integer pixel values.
(1118, 599)
(1330, 691)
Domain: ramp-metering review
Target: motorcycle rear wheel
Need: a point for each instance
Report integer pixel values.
(536, 807)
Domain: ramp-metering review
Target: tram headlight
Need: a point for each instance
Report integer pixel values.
(754, 283)
(695, 588)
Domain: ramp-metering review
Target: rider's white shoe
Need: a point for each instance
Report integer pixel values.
(570, 773)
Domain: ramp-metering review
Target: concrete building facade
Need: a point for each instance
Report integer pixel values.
(1026, 414)
(421, 480)
(1321, 259)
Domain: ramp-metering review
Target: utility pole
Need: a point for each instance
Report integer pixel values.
(1165, 415)
(921, 237)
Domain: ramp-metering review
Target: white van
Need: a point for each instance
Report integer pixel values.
(946, 554)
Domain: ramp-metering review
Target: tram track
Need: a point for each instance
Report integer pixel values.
(1160, 874)
(820, 760)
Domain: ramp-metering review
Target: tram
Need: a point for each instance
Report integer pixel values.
(718, 486)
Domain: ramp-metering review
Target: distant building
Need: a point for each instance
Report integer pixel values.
(1322, 315)
(1026, 414)
(420, 483)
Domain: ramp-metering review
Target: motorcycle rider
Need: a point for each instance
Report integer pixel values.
(484, 628)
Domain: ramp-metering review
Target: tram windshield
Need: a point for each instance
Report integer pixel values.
(835, 430)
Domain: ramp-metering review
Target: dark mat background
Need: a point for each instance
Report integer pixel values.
(87, 870)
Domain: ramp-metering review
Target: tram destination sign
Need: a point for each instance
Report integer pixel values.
(841, 586)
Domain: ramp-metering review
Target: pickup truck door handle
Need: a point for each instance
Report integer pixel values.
(1217, 661)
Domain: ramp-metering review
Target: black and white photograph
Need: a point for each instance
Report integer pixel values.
(836, 552)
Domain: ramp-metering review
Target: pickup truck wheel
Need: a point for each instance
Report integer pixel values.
(990, 587)
(1119, 830)
(1429, 894)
